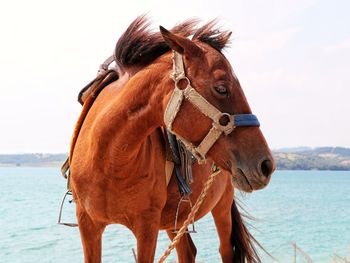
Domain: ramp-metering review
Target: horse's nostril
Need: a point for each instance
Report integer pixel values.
(266, 167)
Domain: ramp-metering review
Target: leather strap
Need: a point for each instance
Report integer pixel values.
(169, 168)
(177, 153)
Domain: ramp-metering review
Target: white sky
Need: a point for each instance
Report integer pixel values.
(292, 58)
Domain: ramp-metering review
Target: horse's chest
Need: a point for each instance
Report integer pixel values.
(117, 199)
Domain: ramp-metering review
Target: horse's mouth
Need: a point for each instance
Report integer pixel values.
(240, 181)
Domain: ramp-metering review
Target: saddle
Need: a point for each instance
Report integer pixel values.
(179, 159)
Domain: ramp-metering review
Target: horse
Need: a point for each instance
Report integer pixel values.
(117, 165)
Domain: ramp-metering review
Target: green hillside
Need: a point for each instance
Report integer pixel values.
(324, 158)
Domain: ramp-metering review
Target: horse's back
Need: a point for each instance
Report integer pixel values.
(94, 121)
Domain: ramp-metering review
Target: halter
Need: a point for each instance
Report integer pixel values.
(190, 94)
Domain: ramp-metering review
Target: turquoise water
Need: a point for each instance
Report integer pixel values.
(311, 208)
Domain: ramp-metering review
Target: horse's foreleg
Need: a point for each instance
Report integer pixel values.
(185, 249)
(91, 237)
(146, 233)
(223, 221)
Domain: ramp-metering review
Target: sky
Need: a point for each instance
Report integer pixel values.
(292, 58)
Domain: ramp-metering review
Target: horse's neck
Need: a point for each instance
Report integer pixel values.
(131, 117)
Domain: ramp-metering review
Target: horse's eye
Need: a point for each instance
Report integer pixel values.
(222, 90)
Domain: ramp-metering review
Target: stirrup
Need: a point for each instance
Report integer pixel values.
(69, 192)
(183, 199)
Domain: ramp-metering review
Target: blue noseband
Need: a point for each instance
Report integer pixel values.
(246, 120)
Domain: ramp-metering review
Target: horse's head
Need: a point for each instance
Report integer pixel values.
(207, 94)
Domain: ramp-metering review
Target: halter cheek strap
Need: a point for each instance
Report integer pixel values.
(190, 94)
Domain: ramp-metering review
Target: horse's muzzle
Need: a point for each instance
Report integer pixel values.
(255, 179)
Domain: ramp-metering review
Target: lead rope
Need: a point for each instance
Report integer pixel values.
(191, 215)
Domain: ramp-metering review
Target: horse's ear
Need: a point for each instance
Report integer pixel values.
(180, 44)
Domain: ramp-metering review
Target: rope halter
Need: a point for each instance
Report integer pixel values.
(190, 94)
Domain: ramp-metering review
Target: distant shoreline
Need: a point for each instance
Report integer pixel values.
(19, 165)
(300, 158)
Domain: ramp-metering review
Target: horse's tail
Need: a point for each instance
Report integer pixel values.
(243, 243)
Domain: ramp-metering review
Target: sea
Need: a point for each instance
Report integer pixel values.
(300, 216)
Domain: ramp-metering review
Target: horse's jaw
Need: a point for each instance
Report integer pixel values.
(245, 183)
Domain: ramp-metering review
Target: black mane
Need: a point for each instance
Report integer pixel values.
(139, 46)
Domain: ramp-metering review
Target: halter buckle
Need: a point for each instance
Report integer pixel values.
(228, 127)
(181, 78)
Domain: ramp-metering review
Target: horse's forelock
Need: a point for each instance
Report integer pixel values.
(140, 46)
(211, 34)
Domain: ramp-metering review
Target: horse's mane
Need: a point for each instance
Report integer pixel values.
(139, 45)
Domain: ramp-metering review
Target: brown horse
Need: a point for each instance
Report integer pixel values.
(118, 162)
